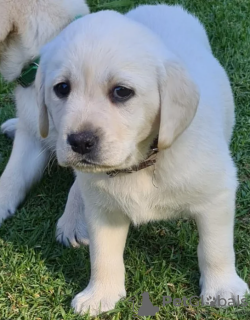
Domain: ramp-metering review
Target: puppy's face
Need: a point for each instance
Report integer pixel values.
(27, 25)
(103, 83)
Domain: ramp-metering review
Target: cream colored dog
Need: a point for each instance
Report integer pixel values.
(111, 84)
(25, 26)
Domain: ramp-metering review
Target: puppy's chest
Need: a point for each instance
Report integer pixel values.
(140, 199)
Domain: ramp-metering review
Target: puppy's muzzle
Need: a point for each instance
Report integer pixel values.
(83, 142)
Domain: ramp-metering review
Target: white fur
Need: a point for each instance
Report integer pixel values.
(71, 227)
(182, 93)
(9, 127)
(25, 26)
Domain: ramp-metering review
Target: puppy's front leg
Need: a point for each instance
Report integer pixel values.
(25, 166)
(107, 234)
(216, 252)
(71, 227)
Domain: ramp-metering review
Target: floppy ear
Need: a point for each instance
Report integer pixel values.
(43, 112)
(179, 98)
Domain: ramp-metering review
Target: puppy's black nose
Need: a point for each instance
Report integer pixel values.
(83, 142)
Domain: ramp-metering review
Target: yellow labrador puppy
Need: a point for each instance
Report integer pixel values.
(145, 115)
(25, 26)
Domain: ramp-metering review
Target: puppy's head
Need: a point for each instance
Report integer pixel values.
(25, 26)
(110, 86)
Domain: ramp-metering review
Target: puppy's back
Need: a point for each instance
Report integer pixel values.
(174, 24)
(185, 36)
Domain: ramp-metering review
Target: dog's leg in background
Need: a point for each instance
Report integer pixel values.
(9, 127)
(216, 255)
(25, 167)
(107, 235)
(71, 227)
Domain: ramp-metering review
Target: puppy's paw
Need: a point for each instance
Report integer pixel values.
(6, 210)
(95, 302)
(7, 205)
(5, 214)
(9, 127)
(72, 231)
(226, 291)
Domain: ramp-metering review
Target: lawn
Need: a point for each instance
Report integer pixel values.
(39, 277)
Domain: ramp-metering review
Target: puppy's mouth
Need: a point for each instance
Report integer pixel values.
(87, 162)
(87, 165)
(127, 166)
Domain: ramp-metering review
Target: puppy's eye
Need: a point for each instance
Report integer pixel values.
(121, 94)
(62, 90)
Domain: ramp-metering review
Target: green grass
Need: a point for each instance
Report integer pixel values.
(39, 277)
